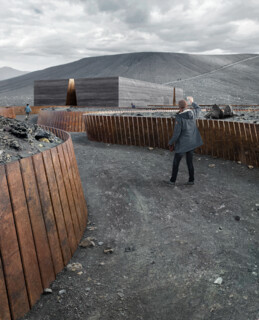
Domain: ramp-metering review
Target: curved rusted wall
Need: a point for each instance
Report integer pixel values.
(73, 121)
(68, 121)
(43, 216)
(228, 140)
(20, 110)
(7, 112)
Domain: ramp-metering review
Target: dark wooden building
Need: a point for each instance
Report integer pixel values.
(103, 92)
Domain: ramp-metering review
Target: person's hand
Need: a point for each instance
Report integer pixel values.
(171, 148)
(190, 100)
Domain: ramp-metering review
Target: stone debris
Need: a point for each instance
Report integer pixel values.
(120, 294)
(250, 167)
(63, 291)
(20, 139)
(219, 281)
(100, 243)
(75, 266)
(212, 165)
(47, 291)
(108, 250)
(87, 243)
(91, 228)
(44, 140)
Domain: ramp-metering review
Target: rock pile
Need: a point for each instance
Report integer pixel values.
(217, 113)
(19, 139)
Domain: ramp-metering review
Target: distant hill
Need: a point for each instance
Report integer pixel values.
(209, 78)
(7, 73)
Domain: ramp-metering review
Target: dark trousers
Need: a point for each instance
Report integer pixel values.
(177, 160)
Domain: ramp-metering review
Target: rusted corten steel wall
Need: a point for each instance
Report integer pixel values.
(73, 121)
(20, 110)
(7, 112)
(224, 139)
(43, 216)
(68, 121)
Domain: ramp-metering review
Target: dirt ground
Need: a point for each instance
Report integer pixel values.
(170, 243)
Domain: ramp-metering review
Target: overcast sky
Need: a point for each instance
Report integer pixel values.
(35, 34)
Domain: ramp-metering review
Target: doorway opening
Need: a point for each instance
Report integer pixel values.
(71, 93)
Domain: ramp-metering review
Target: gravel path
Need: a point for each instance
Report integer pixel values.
(170, 243)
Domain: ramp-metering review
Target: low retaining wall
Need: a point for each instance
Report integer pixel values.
(73, 121)
(7, 112)
(68, 121)
(43, 216)
(228, 140)
(20, 110)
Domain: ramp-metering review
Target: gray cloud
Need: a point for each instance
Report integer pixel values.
(37, 34)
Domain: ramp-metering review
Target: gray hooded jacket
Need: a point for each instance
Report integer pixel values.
(186, 135)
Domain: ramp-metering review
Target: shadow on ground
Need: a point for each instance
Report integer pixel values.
(170, 243)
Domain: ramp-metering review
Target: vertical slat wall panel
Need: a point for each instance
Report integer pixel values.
(228, 140)
(10, 254)
(79, 201)
(136, 130)
(220, 139)
(155, 132)
(150, 132)
(48, 214)
(248, 143)
(4, 305)
(57, 207)
(73, 188)
(235, 141)
(239, 144)
(24, 231)
(69, 194)
(71, 121)
(145, 132)
(132, 133)
(78, 182)
(255, 144)
(37, 222)
(64, 200)
(115, 129)
(128, 133)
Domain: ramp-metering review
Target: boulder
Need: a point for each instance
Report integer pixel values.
(228, 111)
(215, 113)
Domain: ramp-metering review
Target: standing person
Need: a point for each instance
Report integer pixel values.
(27, 111)
(186, 138)
(133, 105)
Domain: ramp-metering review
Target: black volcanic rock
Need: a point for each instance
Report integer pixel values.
(215, 113)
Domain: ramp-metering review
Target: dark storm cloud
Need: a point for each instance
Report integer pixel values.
(59, 31)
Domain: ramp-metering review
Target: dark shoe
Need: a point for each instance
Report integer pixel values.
(171, 183)
(189, 183)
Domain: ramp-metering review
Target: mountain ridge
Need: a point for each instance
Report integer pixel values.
(9, 72)
(210, 81)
